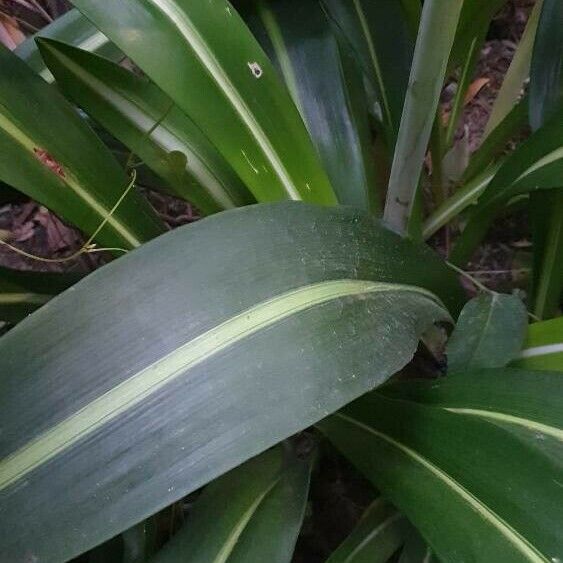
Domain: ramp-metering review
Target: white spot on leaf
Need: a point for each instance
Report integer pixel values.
(256, 69)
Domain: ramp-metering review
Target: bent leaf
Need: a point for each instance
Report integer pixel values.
(21, 292)
(132, 402)
(326, 86)
(488, 334)
(543, 348)
(144, 119)
(48, 152)
(253, 513)
(226, 85)
(71, 28)
(483, 444)
(378, 535)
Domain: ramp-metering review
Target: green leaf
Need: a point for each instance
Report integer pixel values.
(169, 366)
(488, 334)
(518, 71)
(226, 85)
(543, 348)
(416, 550)
(50, 154)
(144, 119)
(380, 34)
(475, 16)
(379, 534)
(546, 209)
(326, 85)
(535, 165)
(433, 45)
(478, 447)
(253, 513)
(71, 28)
(546, 73)
(21, 292)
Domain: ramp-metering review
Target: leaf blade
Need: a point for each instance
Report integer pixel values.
(240, 424)
(227, 79)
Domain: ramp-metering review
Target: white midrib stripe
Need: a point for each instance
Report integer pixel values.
(138, 387)
(542, 350)
(374, 533)
(162, 136)
(544, 161)
(20, 137)
(510, 419)
(183, 24)
(236, 532)
(481, 509)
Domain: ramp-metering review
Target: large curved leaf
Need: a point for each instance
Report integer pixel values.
(206, 59)
(253, 513)
(143, 118)
(48, 152)
(474, 453)
(21, 292)
(543, 348)
(326, 85)
(171, 365)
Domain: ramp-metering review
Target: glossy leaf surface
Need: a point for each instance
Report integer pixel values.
(199, 350)
(253, 513)
(48, 152)
(479, 446)
(488, 334)
(144, 119)
(381, 37)
(326, 85)
(71, 28)
(226, 85)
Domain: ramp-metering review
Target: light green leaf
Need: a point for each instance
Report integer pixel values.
(326, 85)
(48, 152)
(434, 41)
(489, 333)
(71, 28)
(378, 535)
(253, 513)
(478, 447)
(159, 372)
(543, 348)
(143, 118)
(226, 85)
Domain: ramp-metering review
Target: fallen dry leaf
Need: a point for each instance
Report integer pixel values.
(10, 33)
